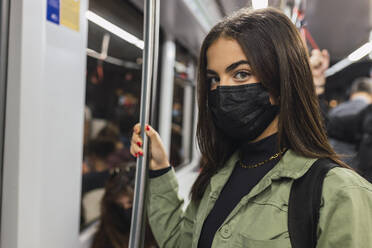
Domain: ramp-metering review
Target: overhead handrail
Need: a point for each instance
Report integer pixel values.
(112, 60)
(154, 92)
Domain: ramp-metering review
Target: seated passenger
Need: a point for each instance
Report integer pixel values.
(97, 153)
(364, 156)
(116, 211)
(343, 126)
(319, 63)
(94, 180)
(121, 154)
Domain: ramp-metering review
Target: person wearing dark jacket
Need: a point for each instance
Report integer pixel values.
(319, 63)
(345, 121)
(364, 156)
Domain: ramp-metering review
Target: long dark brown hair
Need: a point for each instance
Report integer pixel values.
(113, 231)
(279, 59)
(108, 234)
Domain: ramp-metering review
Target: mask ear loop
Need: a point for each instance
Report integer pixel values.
(274, 100)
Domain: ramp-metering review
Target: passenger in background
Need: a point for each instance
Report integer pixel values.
(121, 154)
(94, 180)
(344, 121)
(126, 115)
(177, 114)
(98, 151)
(116, 211)
(110, 131)
(103, 153)
(364, 157)
(319, 63)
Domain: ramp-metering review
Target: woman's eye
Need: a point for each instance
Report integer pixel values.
(242, 75)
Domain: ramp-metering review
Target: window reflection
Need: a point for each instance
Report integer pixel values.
(112, 107)
(113, 86)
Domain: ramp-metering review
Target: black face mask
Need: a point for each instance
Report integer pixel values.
(121, 218)
(242, 112)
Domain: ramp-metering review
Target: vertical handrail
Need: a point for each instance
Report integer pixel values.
(151, 24)
(154, 92)
(4, 37)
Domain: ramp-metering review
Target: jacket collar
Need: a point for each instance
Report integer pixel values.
(291, 166)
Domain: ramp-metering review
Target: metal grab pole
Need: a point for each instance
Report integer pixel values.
(151, 25)
(4, 40)
(154, 92)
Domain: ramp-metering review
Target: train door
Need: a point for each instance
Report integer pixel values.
(43, 123)
(4, 23)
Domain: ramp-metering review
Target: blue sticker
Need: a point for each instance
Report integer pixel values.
(53, 7)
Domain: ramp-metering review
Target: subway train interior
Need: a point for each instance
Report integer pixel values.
(75, 79)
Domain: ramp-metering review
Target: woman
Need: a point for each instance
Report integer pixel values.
(259, 129)
(116, 211)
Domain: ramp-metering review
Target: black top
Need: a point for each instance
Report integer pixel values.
(158, 173)
(240, 183)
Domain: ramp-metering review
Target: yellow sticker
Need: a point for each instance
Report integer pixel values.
(70, 14)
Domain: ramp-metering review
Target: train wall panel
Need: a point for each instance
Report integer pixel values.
(44, 127)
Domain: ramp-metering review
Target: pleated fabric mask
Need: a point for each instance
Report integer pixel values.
(242, 112)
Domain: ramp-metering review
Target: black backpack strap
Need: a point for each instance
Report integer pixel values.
(304, 205)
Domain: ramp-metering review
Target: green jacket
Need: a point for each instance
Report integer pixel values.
(260, 218)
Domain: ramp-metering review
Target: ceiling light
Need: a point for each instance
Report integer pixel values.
(259, 4)
(91, 16)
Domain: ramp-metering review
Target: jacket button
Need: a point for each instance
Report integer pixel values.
(225, 231)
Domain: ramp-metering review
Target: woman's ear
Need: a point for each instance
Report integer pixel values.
(274, 100)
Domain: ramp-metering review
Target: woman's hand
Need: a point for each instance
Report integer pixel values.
(319, 63)
(158, 156)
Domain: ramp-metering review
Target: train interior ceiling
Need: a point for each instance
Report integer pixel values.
(111, 93)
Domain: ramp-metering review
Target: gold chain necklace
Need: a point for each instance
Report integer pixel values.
(251, 166)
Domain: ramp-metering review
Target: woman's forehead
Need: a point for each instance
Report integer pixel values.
(224, 52)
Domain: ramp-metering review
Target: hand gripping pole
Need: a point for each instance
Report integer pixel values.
(151, 40)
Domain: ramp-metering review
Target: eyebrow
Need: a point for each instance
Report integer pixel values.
(230, 67)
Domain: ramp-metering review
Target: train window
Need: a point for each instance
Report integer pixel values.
(183, 102)
(113, 87)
